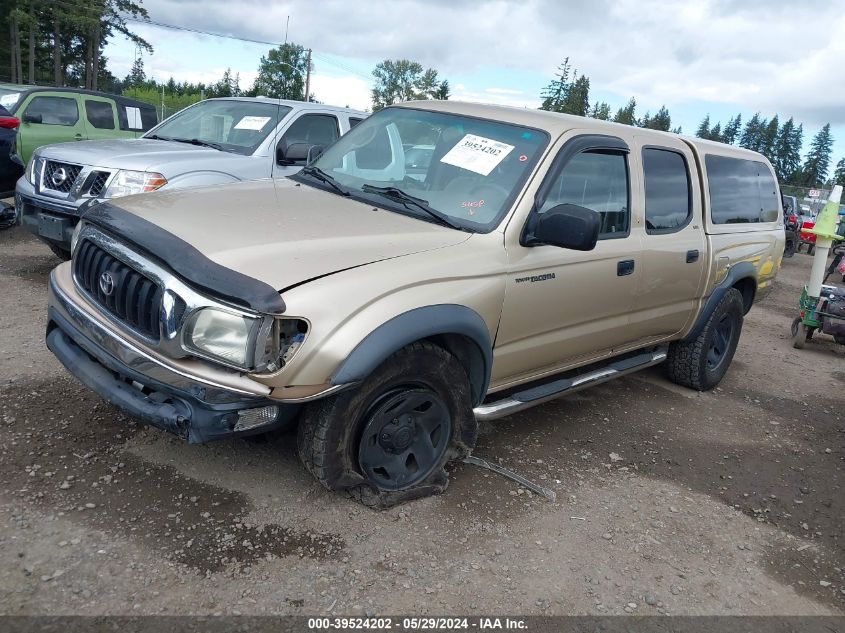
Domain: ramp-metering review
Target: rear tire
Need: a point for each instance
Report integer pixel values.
(702, 362)
(800, 333)
(389, 440)
(789, 249)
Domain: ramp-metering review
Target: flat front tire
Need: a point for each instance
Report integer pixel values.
(389, 440)
(701, 363)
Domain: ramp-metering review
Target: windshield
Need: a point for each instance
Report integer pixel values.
(466, 170)
(230, 125)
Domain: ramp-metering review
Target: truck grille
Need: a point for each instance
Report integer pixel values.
(119, 289)
(98, 182)
(59, 176)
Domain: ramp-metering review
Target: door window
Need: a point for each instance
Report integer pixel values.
(597, 180)
(353, 121)
(741, 191)
(54, 110)
(314, 129)
(668, 198)
(99, 114)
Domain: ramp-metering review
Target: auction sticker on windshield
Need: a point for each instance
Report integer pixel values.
(477, 154)
(252, 123)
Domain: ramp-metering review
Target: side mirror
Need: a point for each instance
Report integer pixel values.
(567, 226)
(33, 118)
(294, 153)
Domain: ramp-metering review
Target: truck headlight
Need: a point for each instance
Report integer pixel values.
(223, 335)
(128, 182)
(33, 168)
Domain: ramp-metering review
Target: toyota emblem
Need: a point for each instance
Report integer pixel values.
(59, 176)
(107, 284)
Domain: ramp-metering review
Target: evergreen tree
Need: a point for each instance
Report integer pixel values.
(577, 99)
(136, 77)
(715, 133)
(660, 121)
(703, 130)
(731, 130)
(556, 92)
(750, 137)
(817, 161)
(627, 114)
(768, 138)
(600, 111)
(839, 173)
(787, 151)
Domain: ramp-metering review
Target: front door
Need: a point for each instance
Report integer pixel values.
(49, 118)
(562, 306)
(674, 247)
(311, 129)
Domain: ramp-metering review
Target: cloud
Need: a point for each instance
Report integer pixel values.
(777, 56)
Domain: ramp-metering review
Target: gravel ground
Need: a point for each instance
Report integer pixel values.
(728, 502)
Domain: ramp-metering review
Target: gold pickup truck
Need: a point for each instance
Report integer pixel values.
(441, 264)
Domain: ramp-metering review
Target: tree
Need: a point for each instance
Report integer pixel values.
(715, 133)
(731, 131)
(281, 73)
(660, 121)
(750, 137)
(577, 99)
(839, 173)
(786, 154)
(703, 130)
(627, 114)
(600, 111)
(137, 76)
(404, 80)
(768, 138)
(555, 93)
(817, 161)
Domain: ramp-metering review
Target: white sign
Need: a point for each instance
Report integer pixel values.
(815, 193)
(477, 154)
(252, 123)
(133, 118)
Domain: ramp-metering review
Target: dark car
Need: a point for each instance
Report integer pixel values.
(11, 167)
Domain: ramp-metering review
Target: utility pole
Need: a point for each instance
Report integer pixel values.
(308, 76)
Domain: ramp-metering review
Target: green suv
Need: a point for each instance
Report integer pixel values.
(56, 115)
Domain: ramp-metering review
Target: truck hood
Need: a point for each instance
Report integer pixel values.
(284, 233)
(141, 154)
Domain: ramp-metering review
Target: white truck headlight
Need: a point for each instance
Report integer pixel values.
(223, 335)
(128, 182)
(33, 168)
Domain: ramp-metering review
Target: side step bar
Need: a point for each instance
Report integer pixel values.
(538, 395)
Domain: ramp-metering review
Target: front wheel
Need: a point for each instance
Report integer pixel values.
(389, 440)
(701, 363)
(800, 333)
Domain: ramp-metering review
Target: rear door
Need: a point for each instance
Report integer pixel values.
(674, 247)
(49, 117)
(100, 117)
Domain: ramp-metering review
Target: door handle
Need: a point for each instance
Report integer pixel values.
(692, 256)
(625, 267)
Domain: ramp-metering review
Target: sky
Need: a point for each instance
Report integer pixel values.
(697, 57)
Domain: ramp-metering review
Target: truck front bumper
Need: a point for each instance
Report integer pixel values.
(51, 220)
(146, 389)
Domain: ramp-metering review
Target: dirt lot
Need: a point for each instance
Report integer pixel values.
(725, 502)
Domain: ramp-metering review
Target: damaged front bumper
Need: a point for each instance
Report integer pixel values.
(146, 388)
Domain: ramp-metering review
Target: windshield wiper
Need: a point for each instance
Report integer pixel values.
(394, 193)
(156, 137)
(318, 174)
(195, 141)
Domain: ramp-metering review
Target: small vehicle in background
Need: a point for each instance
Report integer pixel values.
(211, 142)
(791, 225)
(11, 166)
(56, 115)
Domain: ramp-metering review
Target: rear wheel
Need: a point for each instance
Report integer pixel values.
(389, 440)
(702, 362)
(800, 333)
(789, 249)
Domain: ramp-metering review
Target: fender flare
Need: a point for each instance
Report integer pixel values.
(417, 324)
(736, 273)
